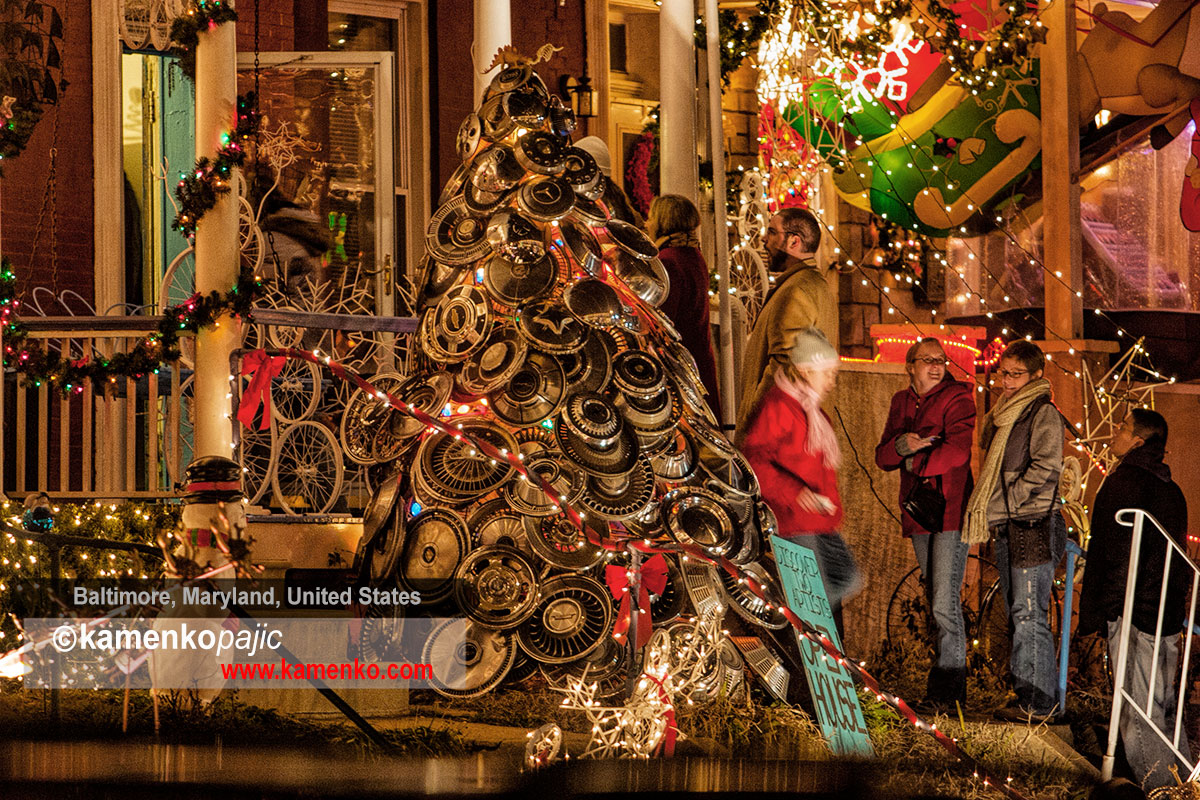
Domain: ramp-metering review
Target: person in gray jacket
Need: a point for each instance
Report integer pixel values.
(1015, 503)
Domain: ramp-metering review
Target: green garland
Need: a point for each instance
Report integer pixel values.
(39, 366)
(738, 37)
(202, 15)
(199, 190)
(31, 75)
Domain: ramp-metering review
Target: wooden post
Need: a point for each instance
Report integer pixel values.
(107, 194)
(677, 98)
(596, 21)
(1060, 173)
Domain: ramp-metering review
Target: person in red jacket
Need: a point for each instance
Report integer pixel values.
(791, 446)
(928, 436)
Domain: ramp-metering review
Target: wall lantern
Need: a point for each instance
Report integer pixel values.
(581, 94)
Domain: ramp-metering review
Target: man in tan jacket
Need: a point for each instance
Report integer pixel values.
(800, 298)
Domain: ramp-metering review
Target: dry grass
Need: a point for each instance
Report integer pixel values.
(915, 763)
(902, 669)
(910, 762)
(748, 729)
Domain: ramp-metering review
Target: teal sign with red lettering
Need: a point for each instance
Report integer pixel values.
(838, 710)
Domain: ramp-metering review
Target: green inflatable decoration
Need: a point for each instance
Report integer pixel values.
(939, 168)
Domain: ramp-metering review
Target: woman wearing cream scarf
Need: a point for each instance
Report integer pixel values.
(1015, 502)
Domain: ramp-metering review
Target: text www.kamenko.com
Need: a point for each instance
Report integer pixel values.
(345, 671)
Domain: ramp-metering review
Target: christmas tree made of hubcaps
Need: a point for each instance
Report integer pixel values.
(539, 335)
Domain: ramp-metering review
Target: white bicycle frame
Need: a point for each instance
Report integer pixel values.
(1137, 518)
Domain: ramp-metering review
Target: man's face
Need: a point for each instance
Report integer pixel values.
(928, 367)
(1014, 376)
(1125, 439)
(776, 242)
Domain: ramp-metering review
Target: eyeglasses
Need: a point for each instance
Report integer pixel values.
(932, 361)
(1012, 373)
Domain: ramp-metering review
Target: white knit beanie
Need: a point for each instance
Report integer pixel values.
(812, 349)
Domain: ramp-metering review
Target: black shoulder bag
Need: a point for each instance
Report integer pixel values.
(1029, 540)
(926, 504)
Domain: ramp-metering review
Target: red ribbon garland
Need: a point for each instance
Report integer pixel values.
(667, 745)
(653, 578)
(688, 551)
(263, 369)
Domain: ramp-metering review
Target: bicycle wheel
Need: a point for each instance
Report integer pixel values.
(308, 469)
(909, 617)
(296, 390)
(256, 453)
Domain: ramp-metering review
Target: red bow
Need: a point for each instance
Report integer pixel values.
(650, 577)
(264, 369)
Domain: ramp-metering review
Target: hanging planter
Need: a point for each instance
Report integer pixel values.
(31, 78)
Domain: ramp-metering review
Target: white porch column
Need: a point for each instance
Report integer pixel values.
(677, 110)
(721, 239)
(216, 241)
(493, 30)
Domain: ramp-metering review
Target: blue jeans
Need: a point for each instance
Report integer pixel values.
(1147, 754)
(839, 570)
(1027, 592)
(942, 558)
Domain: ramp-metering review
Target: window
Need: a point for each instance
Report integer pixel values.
(616, 47)
(1136, 252)
(398, 28)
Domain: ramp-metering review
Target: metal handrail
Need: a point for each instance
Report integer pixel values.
(1136, 519)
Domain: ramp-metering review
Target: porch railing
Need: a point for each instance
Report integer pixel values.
(1138, 519)
(120, 443)
(133, 439)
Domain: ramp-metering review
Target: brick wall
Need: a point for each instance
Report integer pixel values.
(739, 117)
(25, 180)
(283, 25)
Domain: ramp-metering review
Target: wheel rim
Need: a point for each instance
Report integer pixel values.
(256, 453)
(295, 391)
(308, 469)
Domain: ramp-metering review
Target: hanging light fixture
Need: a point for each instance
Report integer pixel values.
(581, 94)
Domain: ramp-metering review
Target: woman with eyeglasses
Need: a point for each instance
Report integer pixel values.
(1014, 504)
(928, 436)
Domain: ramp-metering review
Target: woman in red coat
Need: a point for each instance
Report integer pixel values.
(672, 224)
(791, 445)
(928, 436)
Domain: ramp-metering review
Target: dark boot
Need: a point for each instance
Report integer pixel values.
(946, 687)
